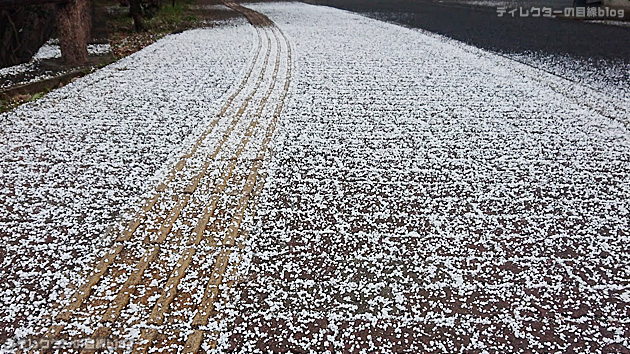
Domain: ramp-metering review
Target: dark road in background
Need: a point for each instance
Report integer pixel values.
(480, 26)
(593, 53)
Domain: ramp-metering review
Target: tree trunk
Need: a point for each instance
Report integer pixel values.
(136, 13)
(73, 28)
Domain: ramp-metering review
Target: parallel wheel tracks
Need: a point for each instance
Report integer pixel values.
(199, 218)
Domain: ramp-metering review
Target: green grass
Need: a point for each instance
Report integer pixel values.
(125, 40)
(7, 104)
(170, 18)
(167, 19)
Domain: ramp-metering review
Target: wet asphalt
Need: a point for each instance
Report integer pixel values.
(482, 27)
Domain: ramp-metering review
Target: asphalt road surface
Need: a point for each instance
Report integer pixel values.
(480, 26)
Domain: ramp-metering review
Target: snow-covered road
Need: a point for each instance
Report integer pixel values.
(421, 196)
(429, 197)
(76, 165)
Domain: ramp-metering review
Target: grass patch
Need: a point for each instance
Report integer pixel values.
(7, 104)
(168, 19)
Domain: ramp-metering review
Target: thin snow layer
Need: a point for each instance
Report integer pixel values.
(556, 4)
(50, 50)
(611, 23)
(610, 77)
(429, 197)
(76, 164)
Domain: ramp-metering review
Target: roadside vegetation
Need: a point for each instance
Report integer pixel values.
(7, 104)
(124, 36)
(157, 23)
